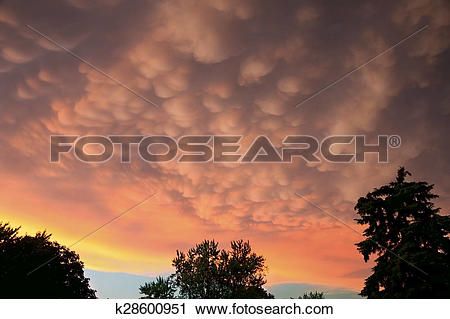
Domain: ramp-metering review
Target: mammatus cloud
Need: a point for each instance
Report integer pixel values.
(217, 67)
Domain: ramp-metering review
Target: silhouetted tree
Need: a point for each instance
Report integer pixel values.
(61, 277)
(206, 271)
(199, 273)
(312, 295)
(410, 239)
(243, 272)
(162, 288)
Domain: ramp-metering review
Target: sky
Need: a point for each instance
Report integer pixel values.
(225, 68)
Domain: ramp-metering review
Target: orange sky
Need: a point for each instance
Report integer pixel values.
(225, 68)
(145, 240)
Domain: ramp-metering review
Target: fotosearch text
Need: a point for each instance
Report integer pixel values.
(221, 148)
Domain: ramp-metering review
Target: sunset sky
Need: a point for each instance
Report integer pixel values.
(225, 67)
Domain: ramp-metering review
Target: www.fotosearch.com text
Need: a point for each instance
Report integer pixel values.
(221, 148)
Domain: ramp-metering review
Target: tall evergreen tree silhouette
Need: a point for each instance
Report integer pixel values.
(410, 239)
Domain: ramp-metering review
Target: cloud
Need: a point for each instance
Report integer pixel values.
(116, 285)
(294, 290)
(253, 69)
(218, 67)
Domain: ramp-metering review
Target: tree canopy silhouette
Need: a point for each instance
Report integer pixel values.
(312, 295)
(61, 277)
(206, 271)
(161, 288)
(410, 239)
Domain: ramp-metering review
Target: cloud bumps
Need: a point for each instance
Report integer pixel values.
(218, 67)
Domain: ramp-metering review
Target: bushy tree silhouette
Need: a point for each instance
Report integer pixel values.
(161, 288)
(61, 277)
(206, 271)
(312, 295)
(199, 273)
(410, 239)
(243, 272)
